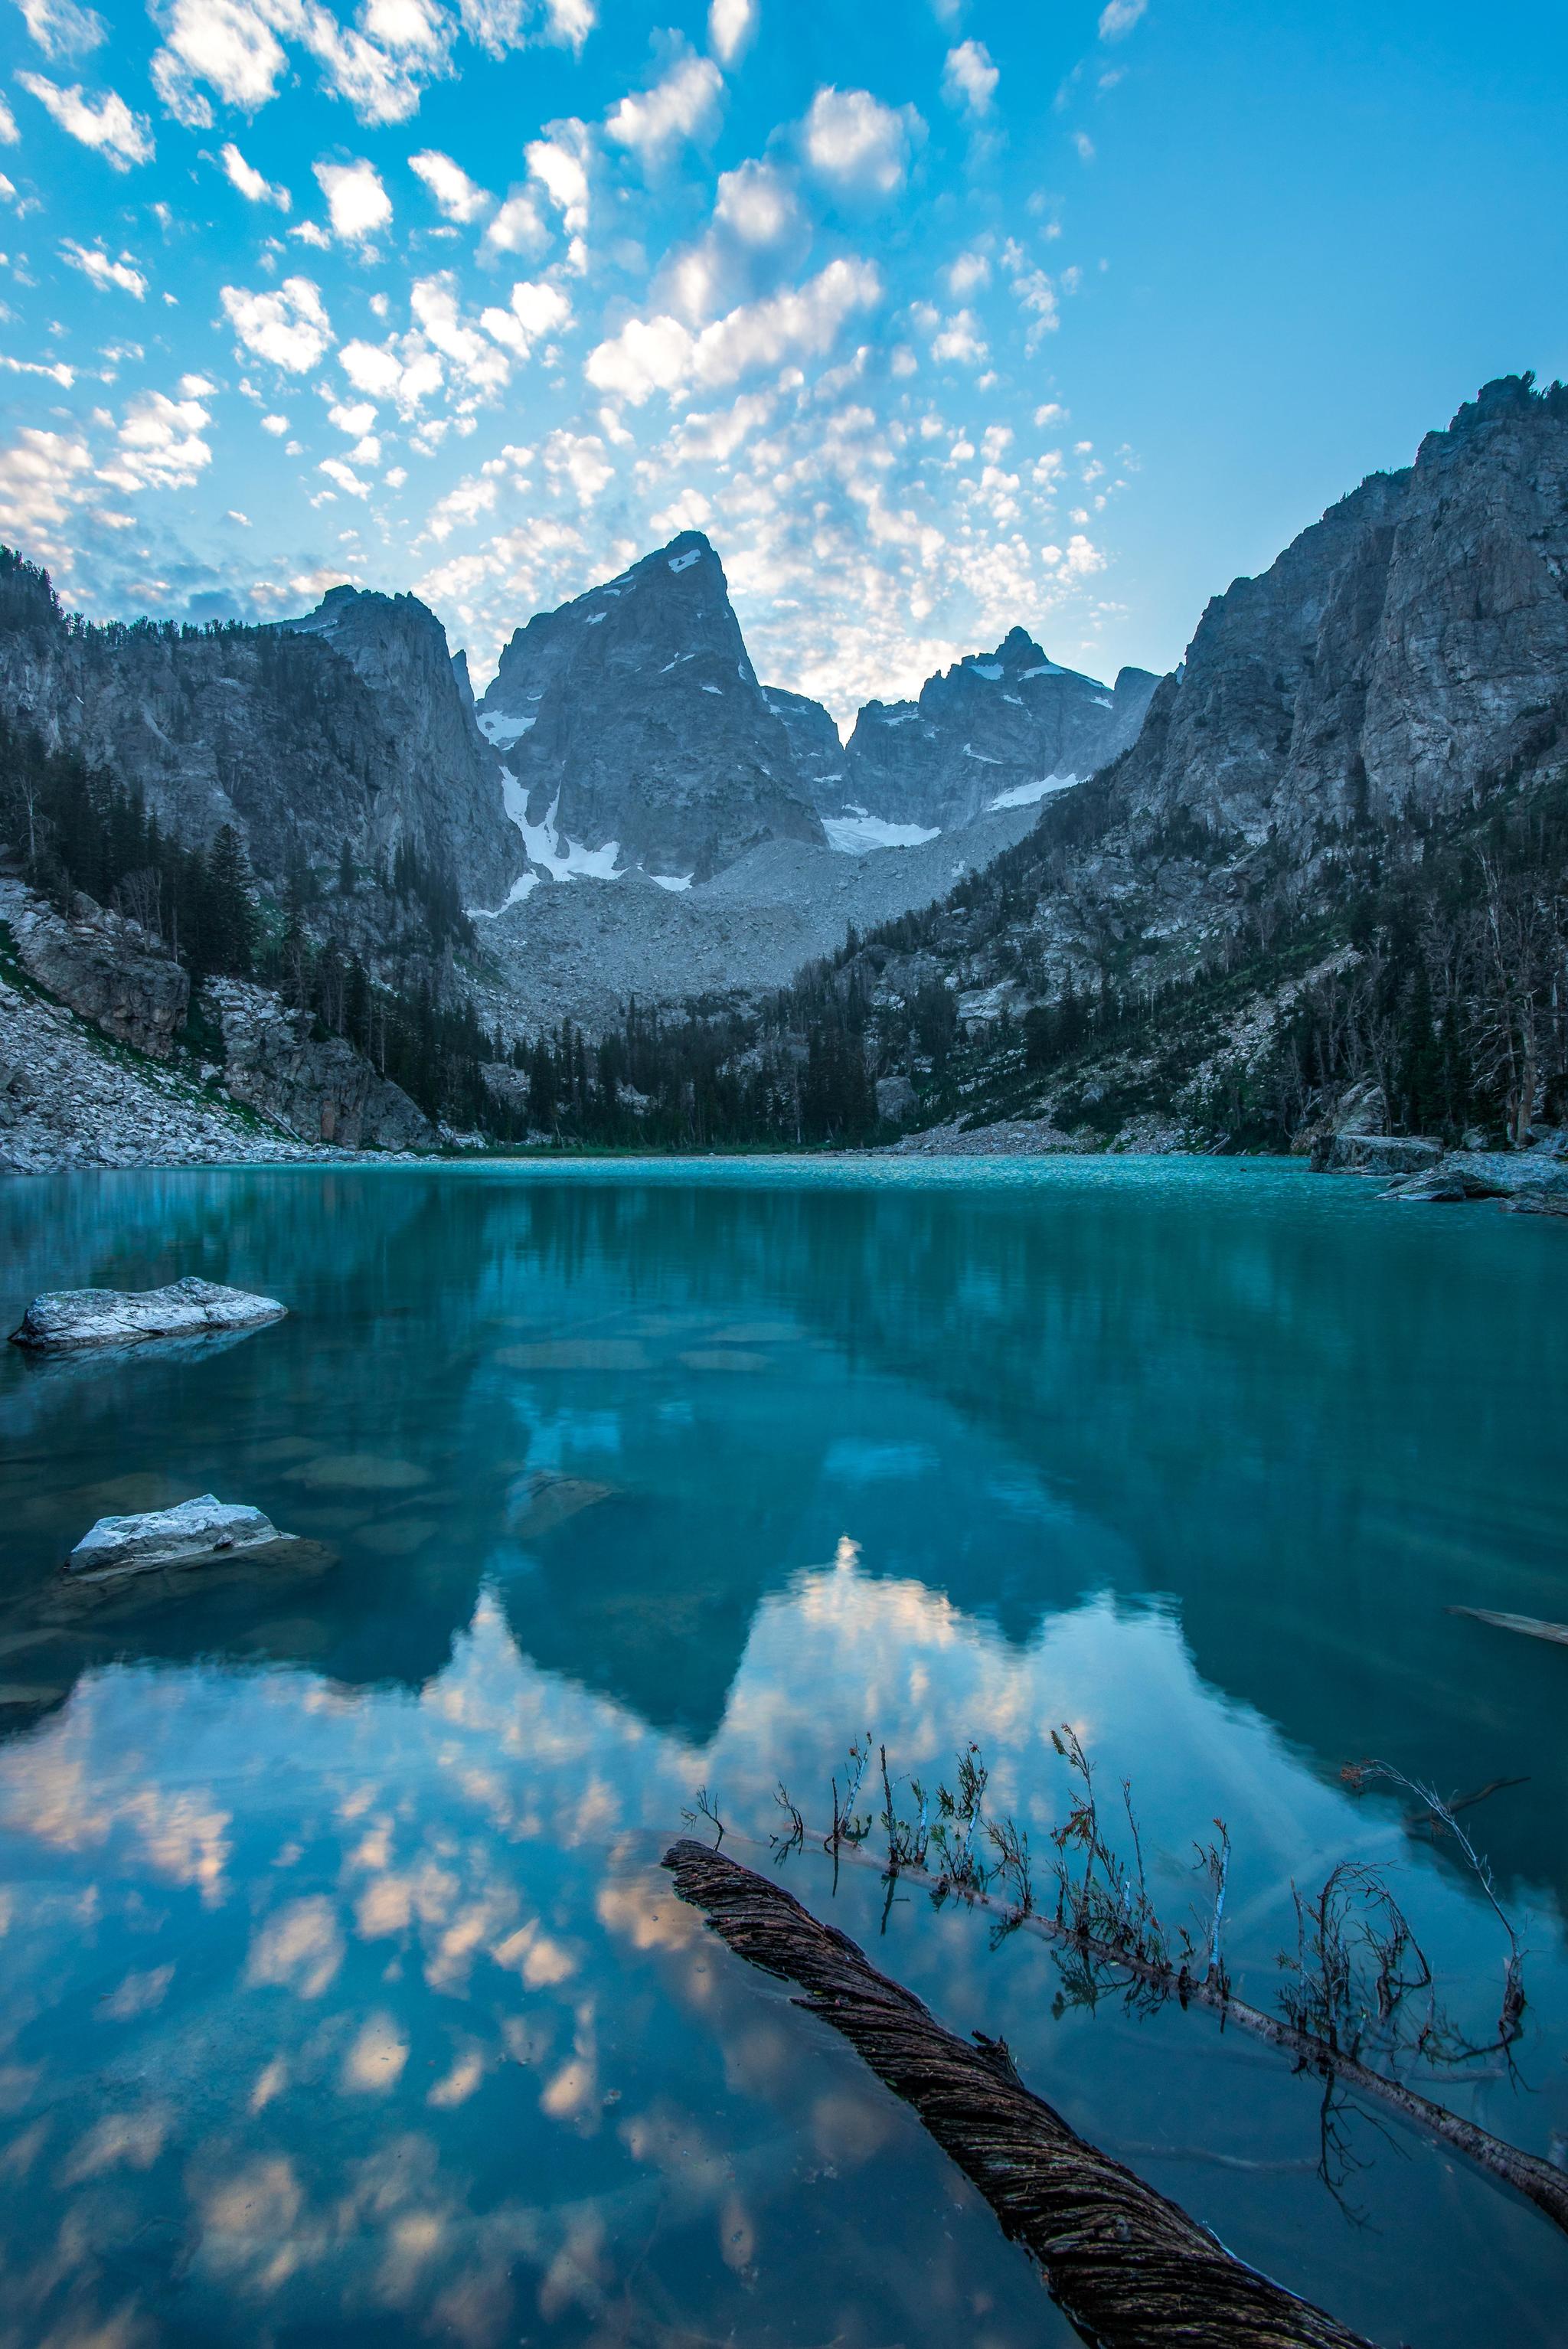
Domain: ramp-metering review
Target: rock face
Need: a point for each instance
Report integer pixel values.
(107, 969)
(820, 761)
(186, 1535)
(1404, 650)
(350, 726)
(634, 717)
(999, 730)
(317, 1087)
(116, 1316)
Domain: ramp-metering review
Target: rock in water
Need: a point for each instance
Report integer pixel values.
(203, 1529)
(112, 1317)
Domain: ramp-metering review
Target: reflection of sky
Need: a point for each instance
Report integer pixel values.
(375, 2001)
(337, 1975)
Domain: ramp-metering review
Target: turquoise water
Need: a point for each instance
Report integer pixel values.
(342, 1998)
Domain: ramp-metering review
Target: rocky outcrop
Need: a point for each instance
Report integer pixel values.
(315, 1086)
(821, 763)
(998, 729)
(349, 726)
(1403, 653)
(1536, 1180)
(107, 969)
(68, 1318)
(187, 1535)
(631, 719)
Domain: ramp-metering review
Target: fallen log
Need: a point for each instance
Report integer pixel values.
(1531, 1626)
(1128, 2269)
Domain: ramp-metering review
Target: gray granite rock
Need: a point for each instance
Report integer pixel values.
(187, 1535)
(113, 1317)
(317, 1087)
(1383, 1153)
(107, 969)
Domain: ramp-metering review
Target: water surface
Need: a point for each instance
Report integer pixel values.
(341, 1996)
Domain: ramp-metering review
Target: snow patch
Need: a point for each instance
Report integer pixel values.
(514, 896)
(1102, 701)
(676, 663)
(570, 861)
(858, 835)
(671, 880)
(685, 562)
(1045, 668)
(901, 718)
(984, 757)
(500, 727)
(991, 669)
(591, 619)
(1026, 794)
(715, 688)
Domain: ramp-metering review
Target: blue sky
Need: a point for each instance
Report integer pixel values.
(936, 316)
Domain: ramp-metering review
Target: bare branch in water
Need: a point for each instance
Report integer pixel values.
(1127, 2267)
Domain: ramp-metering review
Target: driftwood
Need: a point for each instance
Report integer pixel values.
(1530, 1625)
(1127, 2267)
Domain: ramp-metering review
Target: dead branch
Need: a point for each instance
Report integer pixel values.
(1127, 2267)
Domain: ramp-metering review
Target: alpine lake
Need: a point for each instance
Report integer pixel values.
(343, 1996)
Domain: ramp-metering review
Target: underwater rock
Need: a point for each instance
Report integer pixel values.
(111, 1317)
(193, 1530)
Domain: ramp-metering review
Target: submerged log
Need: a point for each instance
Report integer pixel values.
(1128, 2269)
(1531, 1626)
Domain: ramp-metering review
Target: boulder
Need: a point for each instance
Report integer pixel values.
(1383, 1153)
(186, 1535)
(1534, 1182)
(895, 1099)
(117, 1317)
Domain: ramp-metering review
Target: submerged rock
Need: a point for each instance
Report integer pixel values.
(109, 1317)
(184, 1535)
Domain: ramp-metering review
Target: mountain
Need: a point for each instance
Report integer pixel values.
(635, 729)
(347, 726)
(820, 759)
(998, 729)
(1336, 857)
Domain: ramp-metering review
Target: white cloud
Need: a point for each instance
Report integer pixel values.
(160, 445)
(95, 264)
(356, 201)
(756, 203)
(660, 355)
(969, 78)
(559, 163)
(959, 341)
(536, 310)
(855, 142)
(108, 124)
(578, 461)
(9, 134)
(474, 496)
(731, 25)
(516, 228)
(289, 328)
(39, 474)
(61, 29)
(456, 196)
(233, 48)
(676, 108)
(355, 421)
(403, 369)
(969, 271)
(276, 425)
(1118, 19)
(1085, 146)
(312, 233)
(250, 182)
(345, 476)
(227, 44)
(434, 301)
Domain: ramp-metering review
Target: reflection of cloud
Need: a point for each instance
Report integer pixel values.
(373, 2064)
(120, 2141)
(300, 1948)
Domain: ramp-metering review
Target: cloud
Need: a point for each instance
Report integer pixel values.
(559, 163)
(107, 125)
(856, 143)
(464, 504)
(160, 445)
(356, 201)
(679, 107)
(250, 182)
(1085, 146)
(434, 301)
(536, 310)
(39, 473)
(731, 26)
(516, 228)
(969, 78)
(9, 134)
(227, 44)
(1118, 19)
(456, 196)
(276, 425)
(61, 29)
(232, 48)
(95, 264)
(959, 341)
(578, 462)
(969, 271)
(660, 355)
(757, 204)
(290, 329)
(404, 369)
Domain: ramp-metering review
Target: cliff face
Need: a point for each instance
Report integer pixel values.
(1402, 654)
(997, 730)
(350, 726)
(633, 716)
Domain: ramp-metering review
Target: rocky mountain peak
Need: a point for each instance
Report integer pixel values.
(631, 719)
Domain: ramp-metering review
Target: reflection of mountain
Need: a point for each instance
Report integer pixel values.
(1312, 1423)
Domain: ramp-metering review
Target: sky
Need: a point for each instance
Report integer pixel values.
(937, 316)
